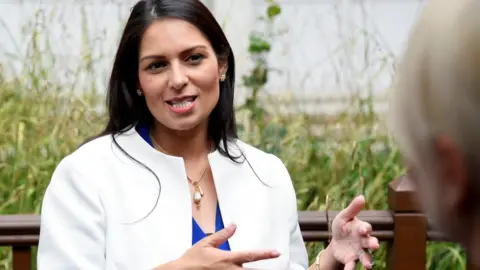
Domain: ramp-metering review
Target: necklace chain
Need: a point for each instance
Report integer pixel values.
(198, 194)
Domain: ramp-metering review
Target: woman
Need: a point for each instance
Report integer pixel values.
(168, 170)
(435, 112)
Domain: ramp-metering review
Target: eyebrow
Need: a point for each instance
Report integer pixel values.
(156, 56)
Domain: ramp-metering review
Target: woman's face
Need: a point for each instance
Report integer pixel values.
(179, 74)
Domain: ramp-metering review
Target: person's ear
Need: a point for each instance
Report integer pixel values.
(222, 69)
(453, 172)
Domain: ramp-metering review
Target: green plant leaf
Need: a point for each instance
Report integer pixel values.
(258, 45)
(273, 11)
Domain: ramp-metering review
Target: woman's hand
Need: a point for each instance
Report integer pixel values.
(206, 255)
(351, 238)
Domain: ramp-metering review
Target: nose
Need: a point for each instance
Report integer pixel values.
(178, 79)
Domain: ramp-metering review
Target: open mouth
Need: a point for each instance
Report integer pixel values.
(182, 103)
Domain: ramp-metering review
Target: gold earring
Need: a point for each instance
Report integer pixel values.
(139, 92)
(222, 78)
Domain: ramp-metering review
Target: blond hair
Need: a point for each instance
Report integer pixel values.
(437, 88)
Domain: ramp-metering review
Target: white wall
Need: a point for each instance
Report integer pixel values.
(322, 52)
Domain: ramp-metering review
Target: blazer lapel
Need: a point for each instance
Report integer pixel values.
(241, 199)
(171, 221)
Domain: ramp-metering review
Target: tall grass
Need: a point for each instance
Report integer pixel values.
(42, 120)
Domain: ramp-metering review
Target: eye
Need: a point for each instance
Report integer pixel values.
(155, 66)
(195, 58)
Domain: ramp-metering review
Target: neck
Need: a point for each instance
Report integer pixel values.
(473, 243)
(191, 144)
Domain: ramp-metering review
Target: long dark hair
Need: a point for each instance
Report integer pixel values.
(126, 109)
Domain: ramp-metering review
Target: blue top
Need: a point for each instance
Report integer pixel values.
(197, 232)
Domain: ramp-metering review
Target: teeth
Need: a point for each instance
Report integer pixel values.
(183, 104)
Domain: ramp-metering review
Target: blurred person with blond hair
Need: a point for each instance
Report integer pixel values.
(434, 116)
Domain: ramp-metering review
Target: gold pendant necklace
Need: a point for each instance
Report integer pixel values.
(198, 193)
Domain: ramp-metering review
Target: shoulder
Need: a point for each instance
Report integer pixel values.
(92, 150)
(272, 166)
(74, 180)
(84, 162)
(260, 155)
(273, 172)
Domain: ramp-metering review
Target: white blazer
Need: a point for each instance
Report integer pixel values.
(97, 196)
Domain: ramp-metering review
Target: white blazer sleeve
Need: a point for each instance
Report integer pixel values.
(72, 230)
(298, 251)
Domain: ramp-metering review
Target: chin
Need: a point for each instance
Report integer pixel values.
(184, 124)
(183, 127)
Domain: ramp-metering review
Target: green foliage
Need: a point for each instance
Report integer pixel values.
(41, 121)
(273, 10)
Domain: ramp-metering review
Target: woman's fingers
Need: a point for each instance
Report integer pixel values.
(352, 210)
(350, 266)
(216, 239)
(241, 257)
(356, 234)
(364, 228)
(364, 231)
(365, 259)
(369, 242)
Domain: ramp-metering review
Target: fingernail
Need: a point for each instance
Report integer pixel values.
(275, 253)
(231, 226)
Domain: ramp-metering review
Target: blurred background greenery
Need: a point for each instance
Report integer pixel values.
(341, 155)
